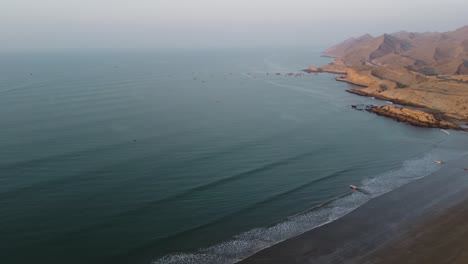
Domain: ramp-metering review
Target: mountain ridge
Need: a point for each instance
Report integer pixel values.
(425, 69)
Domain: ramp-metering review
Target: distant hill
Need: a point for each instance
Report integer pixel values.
(427, 53)
(340, 49)
(428, 70)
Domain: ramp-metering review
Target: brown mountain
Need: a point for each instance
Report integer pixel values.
(340, 49)
(421, 69)
(428, 53)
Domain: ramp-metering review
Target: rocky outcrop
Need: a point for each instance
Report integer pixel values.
(385, 98)
(413, 117)
(424, 70)
(346, 80)
(358, 92)
(334, 70)
(463, 68)
(362, 107)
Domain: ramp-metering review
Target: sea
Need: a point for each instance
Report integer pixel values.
(188, 155)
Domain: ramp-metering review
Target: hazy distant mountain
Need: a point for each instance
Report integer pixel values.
(420, 69)
(340, 49)
(427, 53)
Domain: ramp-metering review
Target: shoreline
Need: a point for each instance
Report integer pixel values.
(439, 119)
(383, 97)
(370, 233)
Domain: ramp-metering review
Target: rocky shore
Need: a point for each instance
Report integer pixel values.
(421, 118)
(383, 97)
(413, 117)
(313, 69)
(424, 70)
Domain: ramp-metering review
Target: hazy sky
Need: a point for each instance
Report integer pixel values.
(61, 24)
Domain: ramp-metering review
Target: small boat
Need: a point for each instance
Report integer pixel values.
(355, 188)
(438, 162)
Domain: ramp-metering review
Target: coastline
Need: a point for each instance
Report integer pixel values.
(435, 118)
(386, 227)
(381, 97)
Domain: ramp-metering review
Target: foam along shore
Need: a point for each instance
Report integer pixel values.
(425, 221)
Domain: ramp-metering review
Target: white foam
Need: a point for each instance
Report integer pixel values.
(445, 131)
(250, 242)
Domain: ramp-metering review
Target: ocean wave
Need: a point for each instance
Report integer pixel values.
(250, 242)
(266, 200)
(209, 185)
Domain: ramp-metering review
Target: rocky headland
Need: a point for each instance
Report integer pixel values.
(412, 116)
(426, 70)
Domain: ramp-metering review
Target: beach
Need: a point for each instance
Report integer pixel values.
(422, 222)
(440, 240)
(207, 166)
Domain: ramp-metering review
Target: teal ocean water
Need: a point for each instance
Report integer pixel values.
(187, 156)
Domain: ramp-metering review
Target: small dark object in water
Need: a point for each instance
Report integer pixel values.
(355, 188)
(362, 107)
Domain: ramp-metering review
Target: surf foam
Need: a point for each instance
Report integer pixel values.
(250, 242)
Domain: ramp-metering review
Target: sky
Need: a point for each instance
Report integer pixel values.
(146, 24)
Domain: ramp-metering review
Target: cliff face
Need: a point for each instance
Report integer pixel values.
(413, 117)
(390, 44)
(422, 69)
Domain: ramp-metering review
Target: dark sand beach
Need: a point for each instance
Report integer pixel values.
(425, 221)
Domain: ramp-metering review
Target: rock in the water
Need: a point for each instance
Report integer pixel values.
(362, 107)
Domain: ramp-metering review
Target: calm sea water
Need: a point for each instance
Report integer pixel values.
(186, 156)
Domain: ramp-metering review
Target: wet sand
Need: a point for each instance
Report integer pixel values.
(425, 221)
(443, 239)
